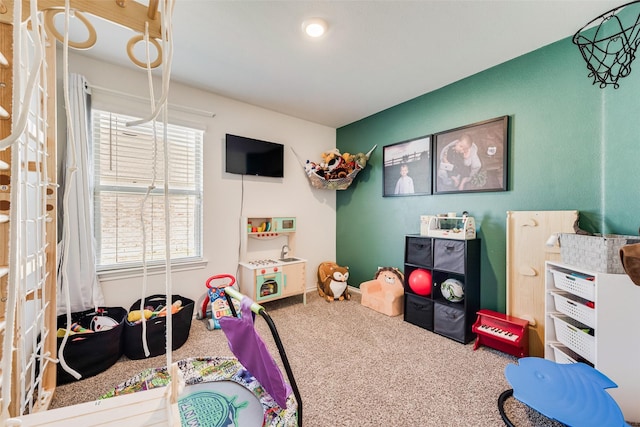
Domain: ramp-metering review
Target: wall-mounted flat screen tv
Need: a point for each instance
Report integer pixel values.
(248, 156)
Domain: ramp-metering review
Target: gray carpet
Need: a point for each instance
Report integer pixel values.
(357, 367)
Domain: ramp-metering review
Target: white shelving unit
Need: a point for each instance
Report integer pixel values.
(594, 318)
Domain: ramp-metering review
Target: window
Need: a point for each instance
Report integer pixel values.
(127, 160)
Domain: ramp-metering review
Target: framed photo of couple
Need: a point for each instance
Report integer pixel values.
(406, 167)
(472, 158)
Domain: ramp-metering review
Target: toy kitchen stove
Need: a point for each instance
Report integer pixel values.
(268, 277)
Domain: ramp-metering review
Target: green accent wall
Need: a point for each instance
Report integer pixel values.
(572, 145)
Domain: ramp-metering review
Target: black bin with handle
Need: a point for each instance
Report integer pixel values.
(157, 326)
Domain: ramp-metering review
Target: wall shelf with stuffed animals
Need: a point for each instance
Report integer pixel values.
(335, 170)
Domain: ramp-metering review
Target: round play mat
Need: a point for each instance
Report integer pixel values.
(218, 392)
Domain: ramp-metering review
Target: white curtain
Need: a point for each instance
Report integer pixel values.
(76, 264)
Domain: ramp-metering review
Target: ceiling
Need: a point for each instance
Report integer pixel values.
(376, 54)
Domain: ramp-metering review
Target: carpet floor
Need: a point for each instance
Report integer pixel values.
(357, 367)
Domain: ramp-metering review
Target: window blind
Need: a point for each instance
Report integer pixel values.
(127, 160)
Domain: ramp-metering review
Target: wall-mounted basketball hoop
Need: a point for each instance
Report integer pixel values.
(609, 42)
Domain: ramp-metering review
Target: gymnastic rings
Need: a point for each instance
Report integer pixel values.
(51, 29)
(132, 43)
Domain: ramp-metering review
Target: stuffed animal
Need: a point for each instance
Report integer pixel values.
(361, 160)
(332, 281)
(389, 275)
(348, 157)
(329, 155)
(385, 293)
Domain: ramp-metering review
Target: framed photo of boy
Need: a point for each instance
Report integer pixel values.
(406, 167)
(472, 158)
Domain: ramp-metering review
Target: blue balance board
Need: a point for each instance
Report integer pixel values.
(572, 393)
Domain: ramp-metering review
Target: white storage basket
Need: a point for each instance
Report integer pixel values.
(596, 253)
(569, 332)
(562, 354)
(575, 284)
(576, 309)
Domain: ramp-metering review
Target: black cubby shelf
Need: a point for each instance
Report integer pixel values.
(443, 259)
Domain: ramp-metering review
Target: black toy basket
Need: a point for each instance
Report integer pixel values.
(156, 328)
(91, 353)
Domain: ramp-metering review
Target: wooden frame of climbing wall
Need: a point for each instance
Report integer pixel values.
(31, 174)
(31, 171)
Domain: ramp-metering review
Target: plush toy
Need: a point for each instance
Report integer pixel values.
(134, 315)
(385, 293)
(389, 276)
(336, 166)
(329, 155)
(332, 281)
(336, 171)
(348, 157)
(361, 160)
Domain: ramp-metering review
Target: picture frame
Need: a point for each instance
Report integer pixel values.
(472, 158)
(412, 158)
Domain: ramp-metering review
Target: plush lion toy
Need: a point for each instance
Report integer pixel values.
(385, 293)
(332, 281)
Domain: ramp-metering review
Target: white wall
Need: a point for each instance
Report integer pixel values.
(224, 198)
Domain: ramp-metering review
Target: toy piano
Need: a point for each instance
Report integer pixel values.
(448, 227)
(503, 332)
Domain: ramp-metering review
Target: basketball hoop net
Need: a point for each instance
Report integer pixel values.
(609, 42)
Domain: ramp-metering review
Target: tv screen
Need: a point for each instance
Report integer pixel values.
(248, 156)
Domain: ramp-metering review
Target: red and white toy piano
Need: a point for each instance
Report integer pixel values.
(503, 332)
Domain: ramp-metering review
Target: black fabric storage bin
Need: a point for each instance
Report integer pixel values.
(449, 321)
(418, 251)
(91, 353)
(418, 310)
(156, 328)
(449, 255)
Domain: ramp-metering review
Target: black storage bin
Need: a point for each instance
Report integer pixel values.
(156, 328)
(449, 321)
(418, 251)
(418, 310)
(91, 353)
(449, 255)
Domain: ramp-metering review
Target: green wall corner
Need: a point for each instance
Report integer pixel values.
(572, 145)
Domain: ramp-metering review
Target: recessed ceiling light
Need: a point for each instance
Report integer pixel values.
(314, 27)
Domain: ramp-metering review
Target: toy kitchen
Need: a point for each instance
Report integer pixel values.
(268, 268)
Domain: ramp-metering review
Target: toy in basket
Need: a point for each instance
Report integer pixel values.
(213, 304)
(336, 171)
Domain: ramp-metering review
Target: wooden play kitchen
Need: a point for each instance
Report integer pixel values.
(263, 276)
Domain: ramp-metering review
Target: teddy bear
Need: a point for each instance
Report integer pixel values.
(332, 281)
